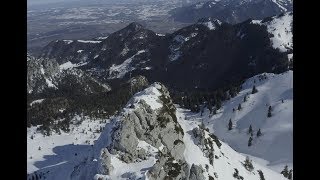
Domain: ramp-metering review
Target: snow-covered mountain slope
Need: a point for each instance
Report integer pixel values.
(211, 23)
(275, 145)
(183, 59)
(54, 156)
(44, 74)
(40, 74)
(149, 139)
(227, 159)
(281, 29)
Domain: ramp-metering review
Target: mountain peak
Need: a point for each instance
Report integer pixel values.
(210, 22)
(134, 26)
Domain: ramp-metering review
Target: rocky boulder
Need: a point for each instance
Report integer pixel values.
(196, 173)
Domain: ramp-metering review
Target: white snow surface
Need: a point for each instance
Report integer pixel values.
(36, 101)
(88, 41)
(69, 65)
(137, 170)
(118, 71)
(102, 38)
(68, 41)
(210, 24)
(276, 143)
(280, 28)
(223, 167)
(49, 83)
(150, 95)
(57, 152)
(159, 34)
(228, 159)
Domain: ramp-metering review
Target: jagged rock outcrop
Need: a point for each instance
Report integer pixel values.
(196, 173)
(167, 168)
(205, 141)
(138, 81)
(40, 73)
(105, 162)
(44, 74)
(155, 126)
(146, 141)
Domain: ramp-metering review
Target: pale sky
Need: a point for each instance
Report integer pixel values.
(38, 2)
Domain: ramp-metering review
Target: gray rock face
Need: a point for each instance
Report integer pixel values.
(196, 172)
(159, 129)
(138, 81)
(147, 125)
(39, 72)
(205, 144)
(45, 73)
(105, 162)
(167, 168)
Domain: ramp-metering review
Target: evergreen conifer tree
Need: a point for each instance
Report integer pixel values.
(285, 171)
(250, 141)
(245, 98)
(210, 107)
(259, 133)
(250, 129)
(290, 174)
(269, 111)
(218, 104)
(248, 164)
(230, 125)
(214, 111)
(254, 90)
(261, 175)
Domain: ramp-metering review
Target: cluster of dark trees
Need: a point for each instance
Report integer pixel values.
(248, 164)
(269, 111)
(64, 105)
(250, 132)
(261, 175)
(236, 174)
(36, 176)
(287, 173)
(197, 100)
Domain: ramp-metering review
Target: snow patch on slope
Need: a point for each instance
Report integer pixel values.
(118, 71)
(69, 65)
(88, 41)
(68, 41)
(212, 24)
(282, 34)
(276, 143)
(280, 28)
(38, 101)
(50, 84)
(57, 152)
(150, 95)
